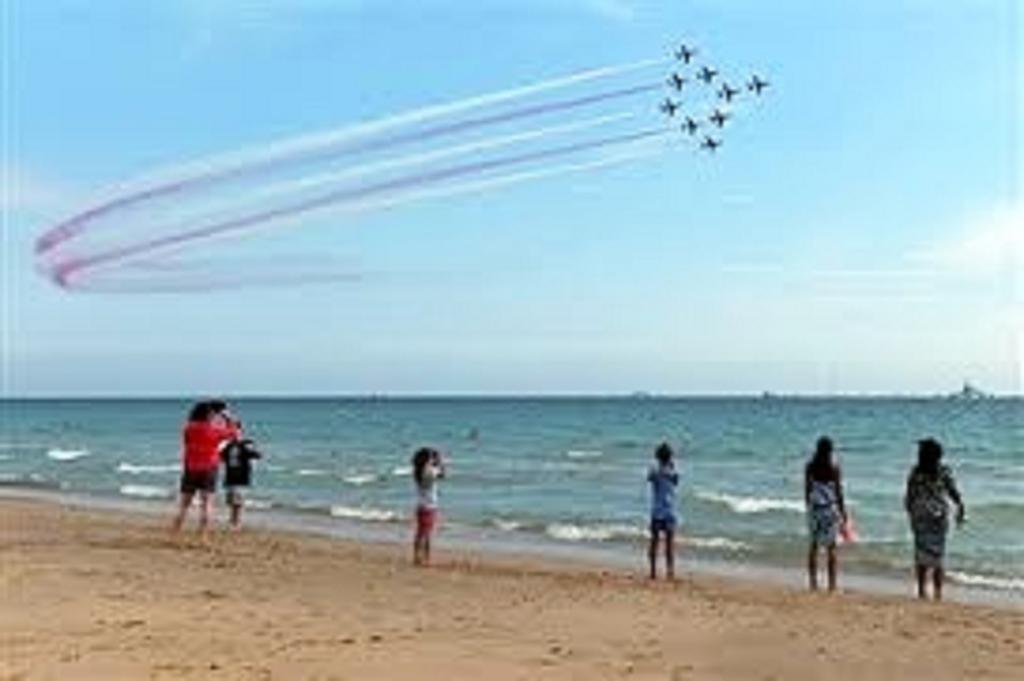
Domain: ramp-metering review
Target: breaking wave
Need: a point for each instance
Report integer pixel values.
(584, 454)
(146, 491)
(359, 479)
(312, 472)
(364, 513)
(987, 581)
(66, 454)
(718, 543)
(597, 532)
(746, 505)
(506, 525)
(141, 469)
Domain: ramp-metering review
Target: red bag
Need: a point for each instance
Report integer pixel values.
(848, 531)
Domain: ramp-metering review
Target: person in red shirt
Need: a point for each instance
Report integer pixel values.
(204, 433)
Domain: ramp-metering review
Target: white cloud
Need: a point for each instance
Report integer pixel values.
(992, 243)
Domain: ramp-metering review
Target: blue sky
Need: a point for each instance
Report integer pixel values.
(861, 231)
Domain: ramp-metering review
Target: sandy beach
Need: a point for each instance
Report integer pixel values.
(102, 595)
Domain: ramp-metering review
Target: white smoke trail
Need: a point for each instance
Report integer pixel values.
(197, 183)
(227, 202)
(184, 276)
(194, 279)
(215, 165)
(411, 160)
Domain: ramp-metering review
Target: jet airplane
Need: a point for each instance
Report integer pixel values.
(685, 53)
(710, 144)
(756, 84)
(669, 107)
(676, 81)
(727, 93)
(707, 74)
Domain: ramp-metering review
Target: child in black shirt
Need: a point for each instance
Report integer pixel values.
(237, 456)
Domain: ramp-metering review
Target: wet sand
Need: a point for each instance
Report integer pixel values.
(92, 594)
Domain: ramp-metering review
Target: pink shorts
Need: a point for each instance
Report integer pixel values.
(426, 519)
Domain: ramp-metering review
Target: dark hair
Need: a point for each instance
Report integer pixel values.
(200, 411)
(929, 454)
(420, 459)
(663, 453)
(217, 406)
(821, 466)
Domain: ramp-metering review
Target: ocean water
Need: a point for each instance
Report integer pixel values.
(569, 473)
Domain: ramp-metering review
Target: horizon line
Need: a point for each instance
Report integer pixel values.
(498, 395)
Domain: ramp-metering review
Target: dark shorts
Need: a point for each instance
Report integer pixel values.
(663, 525)
(198, 481)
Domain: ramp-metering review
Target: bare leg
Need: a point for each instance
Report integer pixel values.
(236, 515)
(184, 501)
(670, 554)
(426, 549)
(832, 567)
(417, 547)
(652, 554)
(812, 566)
(937, 576)
(922, 578)
(205, 509)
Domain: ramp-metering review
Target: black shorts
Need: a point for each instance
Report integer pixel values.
(198, 481)
(666, 525)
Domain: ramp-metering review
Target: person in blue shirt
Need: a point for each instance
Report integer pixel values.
(663, 480)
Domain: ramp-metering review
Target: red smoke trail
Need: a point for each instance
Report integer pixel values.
(61, 272)
(79, 223)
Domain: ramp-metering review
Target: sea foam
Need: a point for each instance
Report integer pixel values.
(360, 479)
(141, 468)
(745, 505)
(66, 454)
(596, 532)
(507, 525)
(584, 454)
(364, 513)
(720, 543)
(146, 491)
(987, 581)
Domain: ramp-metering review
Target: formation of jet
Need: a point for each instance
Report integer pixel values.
(719, 117)
(676, 81)
(707, 74)
(669, 107)
(756, 84)
(727, 93)
(691, 125)
(685, 54)
(710, 143)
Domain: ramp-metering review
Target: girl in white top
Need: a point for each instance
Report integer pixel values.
(427, 469)
(826, 511)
